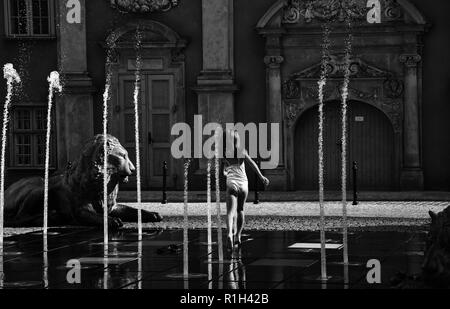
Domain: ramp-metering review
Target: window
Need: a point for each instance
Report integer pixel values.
(28, 139)
(29, 18)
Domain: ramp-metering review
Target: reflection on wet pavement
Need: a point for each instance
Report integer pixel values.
(272, 259)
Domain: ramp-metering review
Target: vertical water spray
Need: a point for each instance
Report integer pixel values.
(186, 220)
(140, 265)
(322, 82)
(2, 272)
(137, 86)
(45, 266)
(208, 214)
(106, 97)
(217, 180)
(23, 62)
(54, 85)
(348, 52)
(105, 165)
(105, 270)
(208, 201)
(185, 274)
(11, 76)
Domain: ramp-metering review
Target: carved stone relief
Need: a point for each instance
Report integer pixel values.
(143, 6)
(307, 11)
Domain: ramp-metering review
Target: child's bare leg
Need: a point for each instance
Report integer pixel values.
(231, 213)
(240, 226)
(240, 220)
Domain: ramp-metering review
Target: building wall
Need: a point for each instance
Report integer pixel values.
(249, 69)
(102, 19)
(250, 76)
(249, 55)
(34, 60)
(436, 91)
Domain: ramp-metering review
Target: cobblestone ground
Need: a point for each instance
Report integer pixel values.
(304, 216)
(296, 216)
(286, 196)
(400, 210)
(300, 224)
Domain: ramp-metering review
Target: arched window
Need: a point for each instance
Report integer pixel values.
(29, 18)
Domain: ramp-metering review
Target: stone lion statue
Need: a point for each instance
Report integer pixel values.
(436, 266)
(76, 195)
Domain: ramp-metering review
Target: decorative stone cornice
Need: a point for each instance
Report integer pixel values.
(143, 6)
(216, 88)
(273, 62)
(335, 10)
(337, 65)
(410, 60)
(78, 83)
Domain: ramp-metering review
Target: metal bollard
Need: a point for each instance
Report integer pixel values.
(164, 193)
(355, 193)
(256, 200)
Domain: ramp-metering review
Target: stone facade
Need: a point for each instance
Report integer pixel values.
(74, 110)
(196, 42)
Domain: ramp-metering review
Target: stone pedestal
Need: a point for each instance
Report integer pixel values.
(74, 109)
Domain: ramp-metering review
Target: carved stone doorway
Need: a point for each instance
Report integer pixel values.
(386, 73)
(162, 98)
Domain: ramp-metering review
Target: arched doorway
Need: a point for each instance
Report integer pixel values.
(370, 143)
(161, 99)
(386, 73)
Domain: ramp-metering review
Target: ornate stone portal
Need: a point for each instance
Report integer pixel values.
(293, 33)
(382, 89)
(143, 6)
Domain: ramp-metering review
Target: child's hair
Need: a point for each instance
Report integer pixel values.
(231, 142)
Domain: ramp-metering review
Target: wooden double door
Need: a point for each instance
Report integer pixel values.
(370, 143)
(156, 104)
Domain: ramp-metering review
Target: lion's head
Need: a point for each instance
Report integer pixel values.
(436, 265)
(86, 173)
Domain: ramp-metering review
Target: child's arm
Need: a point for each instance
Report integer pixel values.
(255, 167)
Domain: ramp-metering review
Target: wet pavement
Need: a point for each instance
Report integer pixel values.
(264, 260)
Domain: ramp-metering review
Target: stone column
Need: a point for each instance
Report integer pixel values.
(215, 84)
(278, 176)
(412, 174)
(218, 59)
(274, 104)
(74, 109)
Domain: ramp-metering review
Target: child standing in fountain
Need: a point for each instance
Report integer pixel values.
(234, 160)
